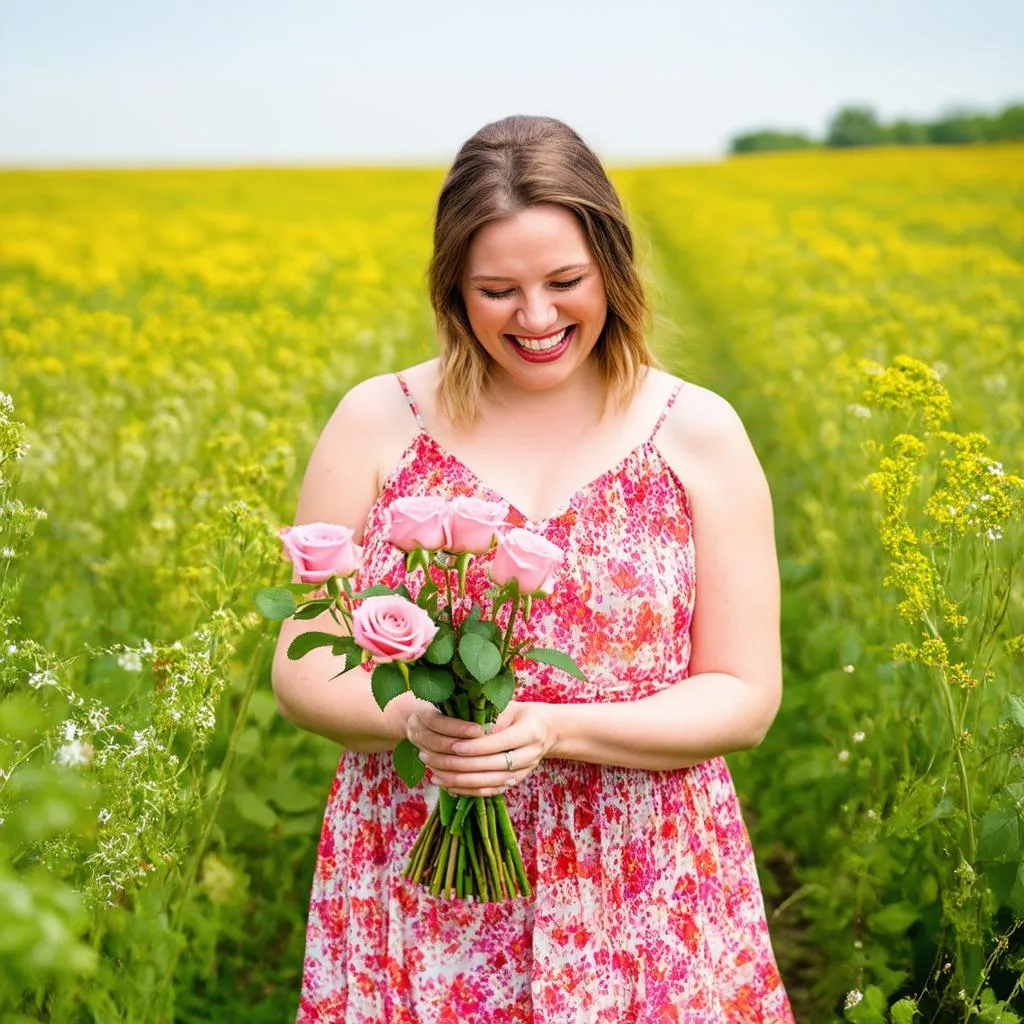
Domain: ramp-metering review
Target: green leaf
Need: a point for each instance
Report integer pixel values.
(425, 598)
(446, 806)
(488, 630)
(406, 759)
(894, 919)
(480, 656)
(345, 647)
(387, 683)
(870, 1009)
(431, 683)
(1013, 710)
(252, 809)
(292, 796)
(549, 657)
(313, 609)
(442, 647)
(904, 1011)
(499, 690)
(275, 603)
(378, 590)
(999, 835)
(306, 642)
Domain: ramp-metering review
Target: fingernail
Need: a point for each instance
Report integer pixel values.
(422, 756)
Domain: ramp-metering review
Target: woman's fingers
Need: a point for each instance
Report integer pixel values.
(430, 730)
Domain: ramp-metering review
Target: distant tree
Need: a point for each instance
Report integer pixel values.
(859, 126)
(1008, 126)
(769, 139)
(855, 126)
(907, 133)
(960, 126)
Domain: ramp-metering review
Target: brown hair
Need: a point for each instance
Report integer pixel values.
(505, 167)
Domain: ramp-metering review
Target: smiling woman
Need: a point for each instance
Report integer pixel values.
(645, 902)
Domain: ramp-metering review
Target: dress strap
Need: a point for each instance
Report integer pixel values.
(412, 402)
(668, 405)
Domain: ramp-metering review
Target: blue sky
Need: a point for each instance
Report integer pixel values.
(398, 81)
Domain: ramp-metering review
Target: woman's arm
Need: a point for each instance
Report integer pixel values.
(369, 429)
(735, 684)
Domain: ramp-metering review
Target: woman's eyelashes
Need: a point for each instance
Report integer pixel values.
(562, 286)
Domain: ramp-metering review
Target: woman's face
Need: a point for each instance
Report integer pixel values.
(534, 295)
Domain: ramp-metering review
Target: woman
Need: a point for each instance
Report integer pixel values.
(646, 903)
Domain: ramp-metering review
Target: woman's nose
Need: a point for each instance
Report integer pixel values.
(536, 314)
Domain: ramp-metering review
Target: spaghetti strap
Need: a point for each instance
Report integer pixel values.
(668, 405)
(411, 401)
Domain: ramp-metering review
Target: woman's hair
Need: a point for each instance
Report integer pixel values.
(504, 168)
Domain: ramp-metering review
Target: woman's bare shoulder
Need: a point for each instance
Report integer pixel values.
(365, 436)
(703, 438)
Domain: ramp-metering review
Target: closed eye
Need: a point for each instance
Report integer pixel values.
(562, 286)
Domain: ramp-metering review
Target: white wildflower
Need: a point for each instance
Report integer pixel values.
(12, 648)
(871, 813)
(844, 756)
(995, 468)
(848, 669)
(940, 369)
(37, 680)
(853, 997)
(862, 412)
(8, 553)
(130, 661)
(994, 533)
(74, 753)
(71, 730)
(98, 716)
(858, 737)
(104, 816)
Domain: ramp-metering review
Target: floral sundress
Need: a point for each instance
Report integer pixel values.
(646, 905)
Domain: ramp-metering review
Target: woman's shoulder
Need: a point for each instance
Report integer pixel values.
(703, 433)
(379, 401)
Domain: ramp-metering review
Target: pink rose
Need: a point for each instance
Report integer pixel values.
(321, 550)
(417, 523)
(392, 628)
(528, 558)
(473, 524)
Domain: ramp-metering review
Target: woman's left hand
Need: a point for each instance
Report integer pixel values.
(520, 738)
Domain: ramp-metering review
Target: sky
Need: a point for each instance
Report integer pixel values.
(242, 82)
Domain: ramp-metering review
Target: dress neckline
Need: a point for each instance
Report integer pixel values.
(538, 525)
(647, 446)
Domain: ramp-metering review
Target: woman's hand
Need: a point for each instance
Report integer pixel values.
(466, 762)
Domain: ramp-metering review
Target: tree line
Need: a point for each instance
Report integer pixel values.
(860, 126)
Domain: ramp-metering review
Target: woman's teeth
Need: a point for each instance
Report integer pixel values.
(542, 344)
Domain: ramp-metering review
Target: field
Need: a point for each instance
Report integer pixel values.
(172, 342)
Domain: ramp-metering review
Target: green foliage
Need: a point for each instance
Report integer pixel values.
(859, 126)
(854, 126)
(767, 140)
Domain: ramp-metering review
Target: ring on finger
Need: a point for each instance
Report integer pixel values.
(508, 760)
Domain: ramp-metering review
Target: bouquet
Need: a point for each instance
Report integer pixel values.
(446, 648)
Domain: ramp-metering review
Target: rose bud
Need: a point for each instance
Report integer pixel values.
(527, 558)
(473, 524)
(417, 522)
(321, 550)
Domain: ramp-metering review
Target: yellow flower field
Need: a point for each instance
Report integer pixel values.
(172, 342)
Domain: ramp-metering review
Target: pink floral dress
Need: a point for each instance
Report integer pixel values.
(646, 903)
